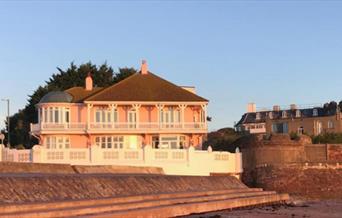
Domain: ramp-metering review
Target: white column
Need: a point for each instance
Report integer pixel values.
(89, 106)
(160, 108)
(136, 108)
(182, 107)
(41, 123)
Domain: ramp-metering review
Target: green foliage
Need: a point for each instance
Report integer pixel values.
(222, 140)
(327, 138)
(294, 136)
(103, 76)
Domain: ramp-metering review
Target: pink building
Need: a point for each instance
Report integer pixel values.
(143, 109)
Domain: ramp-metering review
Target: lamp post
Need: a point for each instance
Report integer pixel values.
(8, 121)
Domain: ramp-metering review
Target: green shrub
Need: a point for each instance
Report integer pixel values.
(327, 138)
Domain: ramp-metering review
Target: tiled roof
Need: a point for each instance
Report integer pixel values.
(80, 93)
(145, 87)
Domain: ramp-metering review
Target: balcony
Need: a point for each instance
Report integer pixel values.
(121, 127)
(58, 127)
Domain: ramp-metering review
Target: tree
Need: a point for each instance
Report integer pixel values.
(222, 140)
(103, 76)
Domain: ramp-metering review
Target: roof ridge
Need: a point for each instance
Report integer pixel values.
(176, 85)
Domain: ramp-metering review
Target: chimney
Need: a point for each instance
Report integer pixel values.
(251, 108)
(89, 82)
(144, 68)
(276, 108)
(293, 107)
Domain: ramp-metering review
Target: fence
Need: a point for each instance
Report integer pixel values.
(173, 161)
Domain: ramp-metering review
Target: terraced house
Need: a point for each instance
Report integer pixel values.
(311, 120)
(143, 109)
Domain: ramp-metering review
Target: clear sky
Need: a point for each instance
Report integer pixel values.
(234, 52)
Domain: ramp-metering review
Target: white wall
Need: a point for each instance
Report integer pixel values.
(173, 161)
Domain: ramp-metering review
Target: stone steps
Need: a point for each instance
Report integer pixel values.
(131, 206)
(193, 208)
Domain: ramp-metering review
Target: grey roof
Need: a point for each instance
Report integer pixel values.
(56, 97)
(291, 114)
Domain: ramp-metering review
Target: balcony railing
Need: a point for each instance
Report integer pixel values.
(58, 126)
(118, 126)
(147, 126)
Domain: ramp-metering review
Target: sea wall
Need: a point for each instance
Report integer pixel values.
(46, 187)
(294, 166)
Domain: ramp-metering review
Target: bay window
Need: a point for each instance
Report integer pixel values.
(56, 115)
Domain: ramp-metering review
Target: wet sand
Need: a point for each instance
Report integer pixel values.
(307, 209)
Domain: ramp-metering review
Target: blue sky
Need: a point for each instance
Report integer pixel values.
(234, 52)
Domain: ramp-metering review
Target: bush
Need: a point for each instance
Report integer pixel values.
(327, 138)
(294, 136)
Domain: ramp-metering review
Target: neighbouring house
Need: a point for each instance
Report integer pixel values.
(143, 109)
(314, 120)
(253, 121)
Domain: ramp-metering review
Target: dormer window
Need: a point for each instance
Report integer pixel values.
(315, 112)
(284, 114)
(257, 116)
(298, 114)
(270, 115)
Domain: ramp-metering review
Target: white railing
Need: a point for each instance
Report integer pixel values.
(172, 161)
(148, 126)
(58, 126)
(15, 155)
(124, 126)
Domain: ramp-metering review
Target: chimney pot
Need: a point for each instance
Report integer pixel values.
(144, 70)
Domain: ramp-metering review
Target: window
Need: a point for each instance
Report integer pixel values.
(270, 115)
(172, 142)
(56, 115)
(57, 142)
(300, 130)
(319, 127)
(258, 116)
(132, 118)
(110, 142)
(315, 112)
(105, 115)
(284, 114)
(171, 115)
(280, 128)
(330, 124)
(155, 141)
(298, 114)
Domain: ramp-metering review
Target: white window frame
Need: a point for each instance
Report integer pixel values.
(284, 114)
(298, 113)
(110, 141)
(181, 141)
(57, 142)
(61, 112)
(315, 112)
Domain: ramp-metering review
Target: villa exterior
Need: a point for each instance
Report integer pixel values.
(143, 109)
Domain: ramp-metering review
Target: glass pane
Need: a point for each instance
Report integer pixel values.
(115, 116)
(56, 111)
(67, 116)
(98, 115)
(109, 142)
